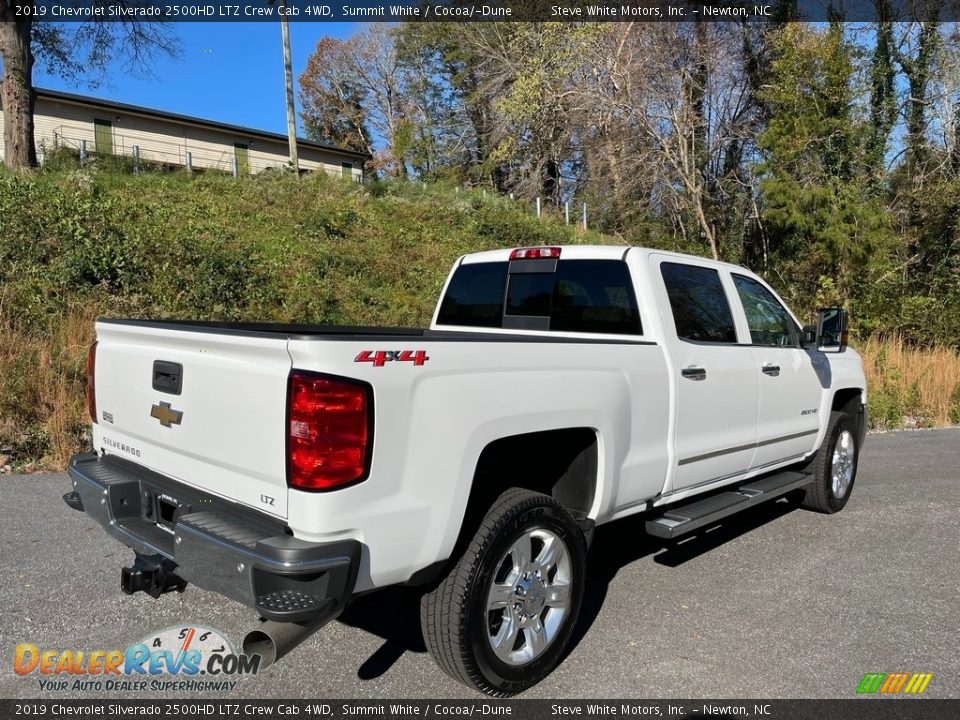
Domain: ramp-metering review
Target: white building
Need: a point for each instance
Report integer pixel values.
(104, 127)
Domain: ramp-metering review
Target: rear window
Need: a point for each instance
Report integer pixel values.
(475, 296)
(588, 296)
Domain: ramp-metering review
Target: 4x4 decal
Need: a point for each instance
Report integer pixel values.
(380, 357)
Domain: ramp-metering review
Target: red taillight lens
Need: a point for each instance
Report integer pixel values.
(91, 382)
(535, 253)
(328, 432)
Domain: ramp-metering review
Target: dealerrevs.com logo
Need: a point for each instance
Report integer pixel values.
(189, 659)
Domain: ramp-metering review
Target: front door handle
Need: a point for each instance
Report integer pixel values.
(694, 373)
(770, 369)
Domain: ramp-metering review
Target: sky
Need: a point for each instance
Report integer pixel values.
(229, 72)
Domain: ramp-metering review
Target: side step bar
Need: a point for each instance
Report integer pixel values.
(681, 519)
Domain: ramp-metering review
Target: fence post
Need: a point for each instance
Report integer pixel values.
(566, 212)
(538, 206)
(190, 163)
(136, 159)
(236, 168)
(83, 152)
(584, 216)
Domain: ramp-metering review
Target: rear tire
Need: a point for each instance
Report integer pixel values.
(834, 466)
(502, 617)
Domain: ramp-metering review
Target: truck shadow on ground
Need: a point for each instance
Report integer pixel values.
(394, 613)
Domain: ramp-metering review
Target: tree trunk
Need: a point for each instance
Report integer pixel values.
(17, 94)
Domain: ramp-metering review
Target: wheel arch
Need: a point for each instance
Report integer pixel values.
(563, 463)
(850, 400)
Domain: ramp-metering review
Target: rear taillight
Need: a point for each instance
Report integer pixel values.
(535, 253)
(91, 382)
(329, 428)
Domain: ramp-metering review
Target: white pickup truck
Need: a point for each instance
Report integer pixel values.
(292, 468)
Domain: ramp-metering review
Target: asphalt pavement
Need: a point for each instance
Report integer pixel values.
(776, 603)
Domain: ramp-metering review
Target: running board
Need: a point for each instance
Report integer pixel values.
(685, 518)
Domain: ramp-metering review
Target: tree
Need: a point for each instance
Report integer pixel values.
(364, 80)
(814, 180)
(70, 50)
(333, 101)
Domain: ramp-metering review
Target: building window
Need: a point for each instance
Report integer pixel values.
(346, 170)
(103, 136)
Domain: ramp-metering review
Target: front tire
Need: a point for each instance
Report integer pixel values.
(834, 466)
(501, 619)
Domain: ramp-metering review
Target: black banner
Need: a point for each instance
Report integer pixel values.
(479, 11)
(854, 709)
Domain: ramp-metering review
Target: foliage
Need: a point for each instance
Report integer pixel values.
(81, 244)
(825, 156)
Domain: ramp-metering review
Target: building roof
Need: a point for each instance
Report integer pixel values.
(188, 119)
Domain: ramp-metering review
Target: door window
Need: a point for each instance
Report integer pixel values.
(768, 320)
(699, 304)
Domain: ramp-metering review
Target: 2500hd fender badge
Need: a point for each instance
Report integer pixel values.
(166, 414)
(380, 357)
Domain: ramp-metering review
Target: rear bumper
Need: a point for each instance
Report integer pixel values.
(213, 543)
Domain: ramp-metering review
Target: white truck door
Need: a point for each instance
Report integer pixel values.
(715, 377)
(790, 387)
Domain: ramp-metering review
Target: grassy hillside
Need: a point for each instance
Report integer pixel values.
(77, 245)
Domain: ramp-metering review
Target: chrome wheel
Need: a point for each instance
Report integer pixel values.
(528, 597)
(842, 464)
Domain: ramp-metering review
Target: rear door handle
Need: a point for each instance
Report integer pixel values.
(769, 369)
(694, 373)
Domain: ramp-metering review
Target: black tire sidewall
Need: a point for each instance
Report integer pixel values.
(843, 422)
(550, 517)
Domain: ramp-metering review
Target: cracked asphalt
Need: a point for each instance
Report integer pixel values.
(776, 603)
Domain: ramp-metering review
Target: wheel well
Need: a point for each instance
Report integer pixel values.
(560, 463)
(847, 399)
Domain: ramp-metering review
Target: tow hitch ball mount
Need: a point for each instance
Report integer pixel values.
(151, 574)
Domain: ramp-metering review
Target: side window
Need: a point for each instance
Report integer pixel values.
(594, 296)
(475, 296)
(769, 322)
(699, 304)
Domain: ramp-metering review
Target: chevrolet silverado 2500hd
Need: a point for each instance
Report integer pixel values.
(291, 468)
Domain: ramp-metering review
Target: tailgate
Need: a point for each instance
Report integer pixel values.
(221, 430)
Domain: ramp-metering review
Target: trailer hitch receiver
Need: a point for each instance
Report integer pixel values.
(151, 574)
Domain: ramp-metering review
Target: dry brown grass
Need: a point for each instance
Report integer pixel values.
(43, 417)
(911, 386)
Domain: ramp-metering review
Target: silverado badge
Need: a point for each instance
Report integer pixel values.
(165, 414)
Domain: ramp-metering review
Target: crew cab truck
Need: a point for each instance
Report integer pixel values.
(292, 468)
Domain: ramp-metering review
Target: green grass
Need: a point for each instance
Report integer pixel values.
(75, 245)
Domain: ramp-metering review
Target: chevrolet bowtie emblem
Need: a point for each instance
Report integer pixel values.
(165, 414)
